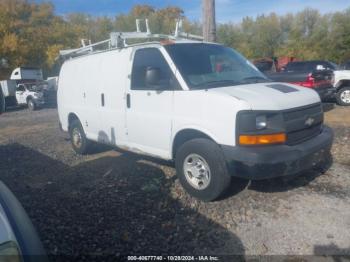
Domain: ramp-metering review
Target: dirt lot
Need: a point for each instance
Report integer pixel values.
(119, 203)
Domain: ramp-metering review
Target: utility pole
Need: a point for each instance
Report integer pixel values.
(209, 24)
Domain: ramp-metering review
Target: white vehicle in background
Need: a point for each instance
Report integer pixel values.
(202, 105)
(27, 74)
(342, 85)
(30, 94)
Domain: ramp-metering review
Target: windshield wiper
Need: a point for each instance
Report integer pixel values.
(255, 79)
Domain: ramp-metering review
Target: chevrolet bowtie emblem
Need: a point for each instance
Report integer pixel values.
(309, 121)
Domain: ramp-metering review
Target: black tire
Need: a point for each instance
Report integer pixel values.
(340, 96)
(213, 156)
(31, 104)
(82, 146)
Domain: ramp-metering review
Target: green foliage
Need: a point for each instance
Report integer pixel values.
(160, 20)
(31, 34)
(305, 35)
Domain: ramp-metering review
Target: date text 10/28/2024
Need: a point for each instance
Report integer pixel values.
(173, 258)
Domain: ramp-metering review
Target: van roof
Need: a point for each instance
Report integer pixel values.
(145, 44)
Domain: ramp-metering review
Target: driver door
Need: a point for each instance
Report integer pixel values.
(20, 94)
(150, 107)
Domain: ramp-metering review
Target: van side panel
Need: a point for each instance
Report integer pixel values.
(70, 92)
(93, 88)
(213, 115)
(113, 81)
(78, 93)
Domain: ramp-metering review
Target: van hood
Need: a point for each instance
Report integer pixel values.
(271, 96)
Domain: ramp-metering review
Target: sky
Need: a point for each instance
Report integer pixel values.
(226, 10)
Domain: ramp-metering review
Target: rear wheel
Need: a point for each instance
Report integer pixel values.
(343, 96)
(202, 170)
(78, 138)
(31, 105)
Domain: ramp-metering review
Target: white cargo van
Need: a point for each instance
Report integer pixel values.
(202, 105)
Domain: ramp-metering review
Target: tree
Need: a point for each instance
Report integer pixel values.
(339, 36)
(32, 34)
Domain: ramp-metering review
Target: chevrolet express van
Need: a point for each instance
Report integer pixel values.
(202, 105)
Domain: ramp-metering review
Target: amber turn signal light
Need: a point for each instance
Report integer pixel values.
(262, 139)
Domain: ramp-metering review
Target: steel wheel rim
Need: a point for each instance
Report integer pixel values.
(197, 171)
(345, 96)
(76, 138)
(31, 105)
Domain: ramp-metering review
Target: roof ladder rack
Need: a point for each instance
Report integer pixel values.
(119, 39)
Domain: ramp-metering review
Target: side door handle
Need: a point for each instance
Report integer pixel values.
(128, 102)
(102, 99)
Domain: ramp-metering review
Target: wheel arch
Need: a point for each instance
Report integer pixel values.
(342, 83)
(187, 134)
(29, 98)
(71, 118)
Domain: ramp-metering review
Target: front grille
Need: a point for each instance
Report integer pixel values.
(299, 136)
(298, 123)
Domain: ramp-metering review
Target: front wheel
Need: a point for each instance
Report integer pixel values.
(202, 170)
(343, 96)
(31, 105)
(78, 138)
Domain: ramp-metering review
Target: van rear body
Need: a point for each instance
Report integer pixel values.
(202, 105)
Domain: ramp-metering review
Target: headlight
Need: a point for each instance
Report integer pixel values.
(261, 122)
(260, 128)
(38, 95)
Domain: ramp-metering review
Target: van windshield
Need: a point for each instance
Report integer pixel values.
(205, 66)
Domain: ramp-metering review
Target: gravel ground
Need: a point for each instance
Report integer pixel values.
(117, 203)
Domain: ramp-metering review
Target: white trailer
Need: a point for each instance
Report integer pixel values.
(2, 102)
(8, 89)
(27, 73)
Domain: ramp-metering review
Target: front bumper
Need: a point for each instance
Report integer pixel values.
(326, 93)
(39, 101)
(278, 160)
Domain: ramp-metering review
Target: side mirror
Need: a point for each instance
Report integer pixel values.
(152, 77)
(18, 238)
